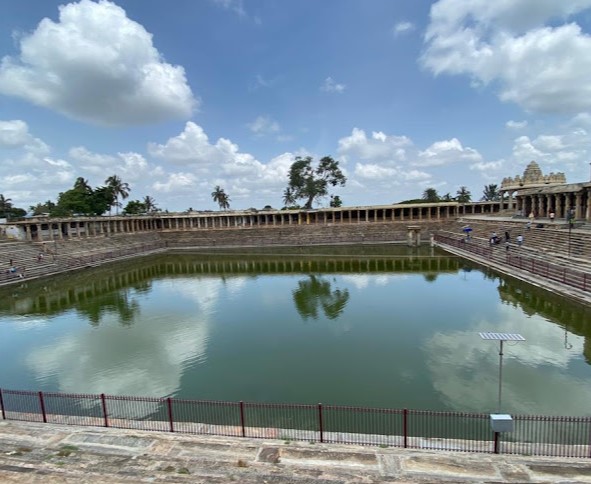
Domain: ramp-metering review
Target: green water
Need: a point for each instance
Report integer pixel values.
(370, 326)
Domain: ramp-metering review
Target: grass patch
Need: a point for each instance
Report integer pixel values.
(66, 450)
(183, 470)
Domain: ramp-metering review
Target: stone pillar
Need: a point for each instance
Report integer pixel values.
(579, 205)
(558, 199)
(588, 210)
(414, 235)
(28, 235)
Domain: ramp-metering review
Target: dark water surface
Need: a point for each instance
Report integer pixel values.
(373, 326)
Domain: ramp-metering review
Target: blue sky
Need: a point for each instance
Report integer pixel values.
(178, 97)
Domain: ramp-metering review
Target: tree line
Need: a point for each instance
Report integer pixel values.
(308, 182)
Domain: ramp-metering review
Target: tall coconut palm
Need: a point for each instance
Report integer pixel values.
(430, 195)
(5, 205)
(150, 204)
(118, 189)
(491, 193)
(82, 185)
(221, 198)
(463, 195)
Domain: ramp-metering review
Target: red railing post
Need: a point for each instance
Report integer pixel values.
(320, 423)
(104, 405)
(170, 418)
(42, 403)
(496, 443)
(405, 426)
(2, 405)
(242, 418)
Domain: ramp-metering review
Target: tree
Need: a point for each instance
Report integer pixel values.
(118, 189)
(288, 197)
(335, 201)
(463, 195)
(221, 198)
(430, 195)
(309, 183)
(316, 293)
(82, 199)
(134, 207)
(447, 197)
(42, 208)
(491, 193)
(5, 206)
(82, 185)
(150, 204)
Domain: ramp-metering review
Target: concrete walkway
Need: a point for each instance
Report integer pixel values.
(35, 452)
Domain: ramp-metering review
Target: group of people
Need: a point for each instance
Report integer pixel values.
(496, 240)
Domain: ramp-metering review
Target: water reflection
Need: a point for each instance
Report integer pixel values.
(536, 373)
(316, 292)
(148, 359)
(122, 304)
(192, 323)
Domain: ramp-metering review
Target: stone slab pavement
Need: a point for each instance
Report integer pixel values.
(48, 453)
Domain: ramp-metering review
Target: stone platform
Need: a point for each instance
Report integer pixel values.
(35, 452)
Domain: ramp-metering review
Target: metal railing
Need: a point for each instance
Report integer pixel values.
(549, 270)
(415, 429)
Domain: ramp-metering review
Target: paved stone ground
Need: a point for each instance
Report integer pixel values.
(48, 453)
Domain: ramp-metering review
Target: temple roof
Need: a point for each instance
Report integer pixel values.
(532, 177)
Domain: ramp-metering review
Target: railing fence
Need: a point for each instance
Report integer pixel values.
(549, 270)
(416, 429)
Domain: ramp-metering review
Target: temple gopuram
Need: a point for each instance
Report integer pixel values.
(543, 194)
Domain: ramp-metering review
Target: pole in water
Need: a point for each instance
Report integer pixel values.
(501, 338)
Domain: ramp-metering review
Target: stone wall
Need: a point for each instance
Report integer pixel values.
(371, 232)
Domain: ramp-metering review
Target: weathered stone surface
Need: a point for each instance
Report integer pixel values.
(449, 465)
(84, 455)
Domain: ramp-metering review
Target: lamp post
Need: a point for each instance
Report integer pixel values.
(501, 338)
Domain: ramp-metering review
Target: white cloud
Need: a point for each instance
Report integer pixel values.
(97, 65)
(241, 174)
(402, 28)
(509, 43)
(447, 152)
(264, 125)
(330, 85)
(516, 124)
(372, 171)
(570, 149)
(15, 134)
(380, 146)
(175, 182)
(495, 167)
(130, 166)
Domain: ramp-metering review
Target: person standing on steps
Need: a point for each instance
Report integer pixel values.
(519, 240)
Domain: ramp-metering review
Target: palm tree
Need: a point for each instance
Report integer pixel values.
(430, 195)
(82, 185)
(463, 195)
(5, 205)
(118, 188)
(288, 197)
(150, 204)
(491, 193)
(220, 197)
